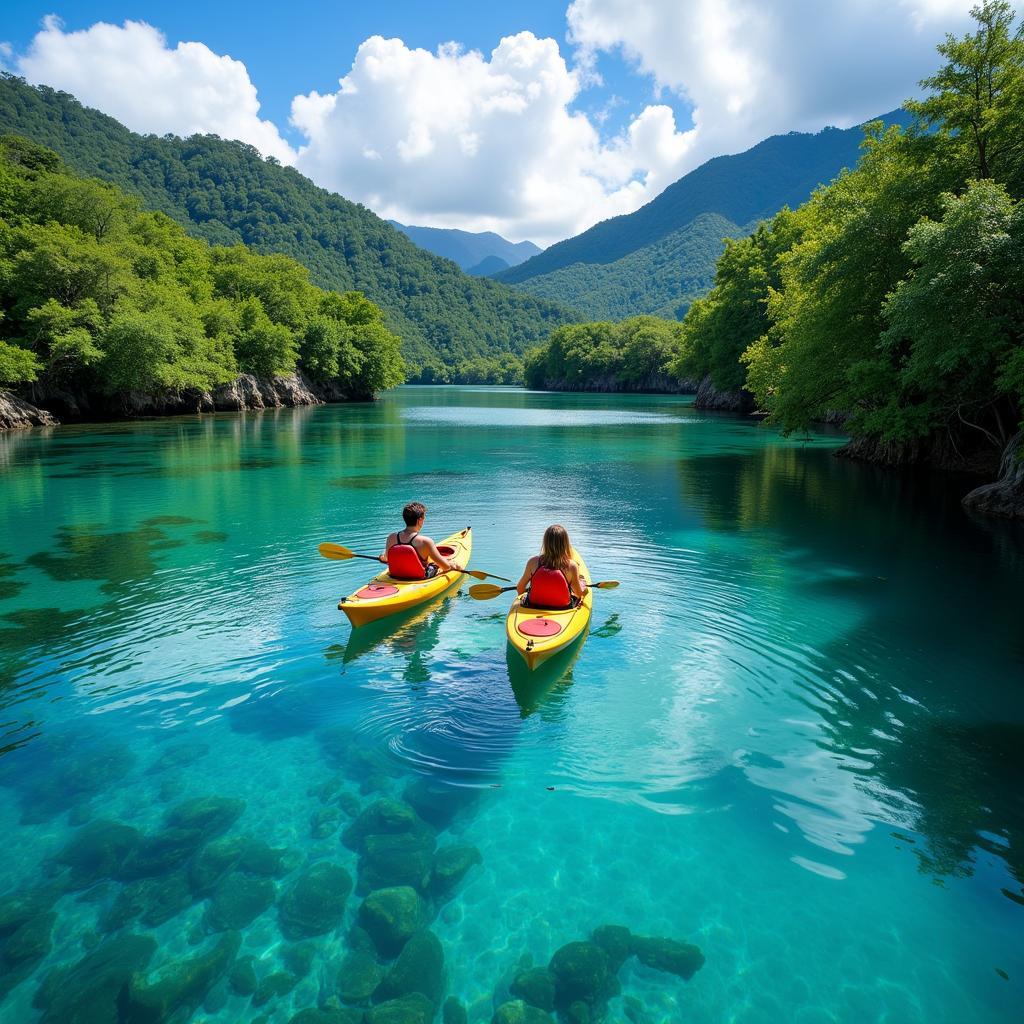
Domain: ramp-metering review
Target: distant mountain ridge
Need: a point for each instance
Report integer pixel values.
(662, 256)
(470, 249)
(226, 193)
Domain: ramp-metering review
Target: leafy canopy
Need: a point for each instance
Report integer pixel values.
(99, 296)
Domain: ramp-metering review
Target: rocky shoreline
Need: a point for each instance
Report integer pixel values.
(47, 408)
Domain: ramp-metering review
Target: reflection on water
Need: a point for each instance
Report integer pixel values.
(792, 737)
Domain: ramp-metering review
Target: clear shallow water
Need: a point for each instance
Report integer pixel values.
(800, 747)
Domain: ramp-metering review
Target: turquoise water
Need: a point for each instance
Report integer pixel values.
(794, 736)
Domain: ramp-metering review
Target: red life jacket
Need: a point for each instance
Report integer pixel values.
(404, 562)
(549, 589)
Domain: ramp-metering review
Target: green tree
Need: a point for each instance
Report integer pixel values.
(976, 95)
(956, 325)
(822, 350)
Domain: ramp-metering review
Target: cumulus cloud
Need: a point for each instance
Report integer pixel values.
(752, 69)
(458, 138)
(130, 72)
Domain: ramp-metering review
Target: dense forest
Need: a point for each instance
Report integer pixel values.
(894, 294)
(633, 355)
(226, 193)
(100, 297)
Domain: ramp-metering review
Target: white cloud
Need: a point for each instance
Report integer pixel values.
(131, 73)
(752, 69)
(492, 142)
(460, 139)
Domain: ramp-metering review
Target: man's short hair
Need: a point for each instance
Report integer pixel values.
(413, 512)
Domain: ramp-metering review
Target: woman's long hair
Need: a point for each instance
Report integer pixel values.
(555, 549)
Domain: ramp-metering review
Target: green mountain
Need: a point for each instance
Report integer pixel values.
(225, 193)
(469, 248)
(662, 278)
(661, 257)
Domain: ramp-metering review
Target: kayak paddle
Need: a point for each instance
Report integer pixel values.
(342, 554)
(485, 591)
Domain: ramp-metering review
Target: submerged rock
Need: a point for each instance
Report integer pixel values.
(438, 803)
(382, 817)
(280, 983)
(679, 958)
(517, 1012)
(327, 1015)
(238, 901)
(177, 755)
(454, 1012)
(87, 992)
(324, 822)
(211, 815)
(298, 958)
(31, 942)
(242, 978)
(258, 858)
(391, 916)
(419, 968)
(97, 851)
(581, 974)
(315, 903)
(20, 908)
(414, 1009)
(617, 943)
(389, 860)
(535, 986)
(358, 977)
(180, 986)
(160, 854)
(214, 862)
(154, 901)
(451, 865)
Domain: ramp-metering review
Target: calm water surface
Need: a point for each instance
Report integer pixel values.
(794, 736)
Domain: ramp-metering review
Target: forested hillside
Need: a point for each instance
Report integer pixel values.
(894, 294)
(662, 278)
(101, 300)
(658, 259)
(225, 193)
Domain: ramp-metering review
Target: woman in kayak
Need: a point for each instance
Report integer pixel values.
(552, 578)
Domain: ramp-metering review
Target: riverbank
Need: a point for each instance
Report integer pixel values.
(244, 394)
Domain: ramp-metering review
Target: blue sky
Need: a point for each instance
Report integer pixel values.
(544, 118)
(294, 47)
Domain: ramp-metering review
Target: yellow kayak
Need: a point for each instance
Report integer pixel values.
(384, 595)
(538, 634)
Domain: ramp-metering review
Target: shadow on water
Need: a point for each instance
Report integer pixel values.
(404, 633)
(542, 689)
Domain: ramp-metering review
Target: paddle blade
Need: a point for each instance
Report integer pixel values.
(336, 551)
(484, 591)
(605, 585)
(479, 574)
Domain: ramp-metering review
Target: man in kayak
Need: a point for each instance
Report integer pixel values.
(411, 556)
(552, 578)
